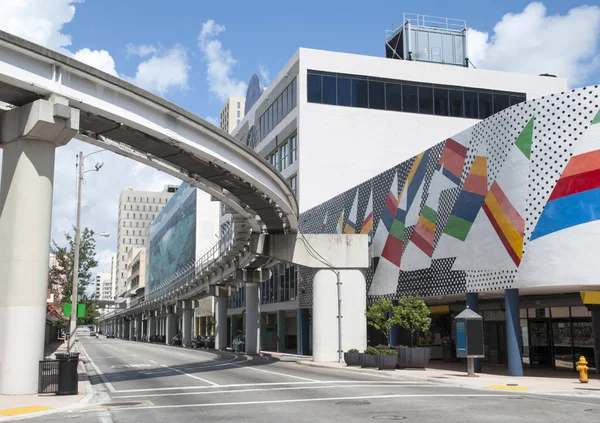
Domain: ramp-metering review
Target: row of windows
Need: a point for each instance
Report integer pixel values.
(138, 207)
(147, 200)
(141, 216)
(133, 232)
(137, 224)
(238, 298)
(285, 154)
(282, 286)
(410, 97)
(279, 109)
(136, 241)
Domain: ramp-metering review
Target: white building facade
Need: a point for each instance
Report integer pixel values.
(330, 121)
(232, 113)
(104, 286)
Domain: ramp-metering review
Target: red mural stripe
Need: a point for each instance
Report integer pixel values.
(582, 163)
(391, 203)
(576, 183)
(422, 243)
(454, 163)
(512, 213)
(425, 232)
(456, 147)
(515, 258)
(477, 184)
(392, 250)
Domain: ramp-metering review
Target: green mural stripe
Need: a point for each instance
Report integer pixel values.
(597, 118)
(429, 214)
(397, 229)
(525, 139)
(457, 227)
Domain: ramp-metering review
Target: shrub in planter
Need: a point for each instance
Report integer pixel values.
(412, 314)
(352, 357)
(368, 358)
(387, 359)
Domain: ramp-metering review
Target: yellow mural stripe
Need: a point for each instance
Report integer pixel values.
(508, 388)
(23, 410)
(479, 166)
(427, 223)
(515, 239)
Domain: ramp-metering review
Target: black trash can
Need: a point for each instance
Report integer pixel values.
(67, 373)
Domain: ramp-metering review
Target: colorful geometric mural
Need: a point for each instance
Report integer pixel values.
(481, 210)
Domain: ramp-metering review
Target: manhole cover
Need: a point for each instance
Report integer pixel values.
(119, 404)
(389, 417)
(593, 410)
(353, 402)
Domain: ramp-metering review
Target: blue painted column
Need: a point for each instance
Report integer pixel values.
(302, 324)
(473, 304)
(513, 335)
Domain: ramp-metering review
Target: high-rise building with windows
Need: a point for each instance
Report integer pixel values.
(104, 286)
(137, 209)
(232, 113)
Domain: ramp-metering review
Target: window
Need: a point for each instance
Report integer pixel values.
(456, 103)
(360, 93)
(127, 215)
(501, 102)
(134, 215)
(440, 101)
(144, 208)
(124, 206)
(410, 98)
(314, 88)
(138, 207)
(238, 113)
(292, 182)
(470, 101)
(376, 95)
(486, 102)
(238, 121)
(426, 100)
(128, 199)
(284, 155)
(127, 232)
(142, 241)
(393, 97)
(344, 92)
(329, 90)
(134, 199)
(238, 106)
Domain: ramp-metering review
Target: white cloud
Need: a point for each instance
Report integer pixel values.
(100, 59)
(534, 42)
(141, 50)
(265, 74)
(213, 120)
(164, 71)
(219, 63)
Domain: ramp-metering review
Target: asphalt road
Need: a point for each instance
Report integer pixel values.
(137, 382)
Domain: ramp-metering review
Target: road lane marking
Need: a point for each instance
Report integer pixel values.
(508, 388)
(130, 366)
(190, 375)
(98, 371)
(297, 400)
(292, 388)
(152, 361)
(23, 410)
(241, 385)
(275, 373)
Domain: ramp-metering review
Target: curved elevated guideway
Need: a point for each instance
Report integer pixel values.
(52, 98)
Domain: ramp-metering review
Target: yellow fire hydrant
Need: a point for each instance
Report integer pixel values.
(582, 368)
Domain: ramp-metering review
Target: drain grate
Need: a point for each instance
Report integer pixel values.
(389, 417)
(119, 404)
(350, 402)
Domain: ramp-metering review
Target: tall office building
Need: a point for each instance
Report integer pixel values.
(232, 113)
(103, 286)
(137, 209)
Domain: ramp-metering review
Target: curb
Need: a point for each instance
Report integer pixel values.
(82, 403)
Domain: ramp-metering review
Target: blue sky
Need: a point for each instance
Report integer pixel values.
(263, 32)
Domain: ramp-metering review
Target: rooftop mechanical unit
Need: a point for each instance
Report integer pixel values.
(428, 39)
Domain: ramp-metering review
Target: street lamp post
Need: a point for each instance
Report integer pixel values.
(75, 286)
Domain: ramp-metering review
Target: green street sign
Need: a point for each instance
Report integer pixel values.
(80, 310)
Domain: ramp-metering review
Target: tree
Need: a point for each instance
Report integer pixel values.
(61, 273)
(412, 314)
(378, 316)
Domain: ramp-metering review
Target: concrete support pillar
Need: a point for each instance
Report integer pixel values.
(513, 332)
(29, 136)
(252, 319)
(473, 304)
(151, 326)
(220, 322)
(281, 331)
(138, 328)
(170, 326)
(130, 329)
(186, 324)
(302, 322)
(325, 312)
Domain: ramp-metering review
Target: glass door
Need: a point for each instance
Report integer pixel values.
(539, 347)
(562, 344)
(583, 337)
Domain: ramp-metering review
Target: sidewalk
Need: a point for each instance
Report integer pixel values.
(12, 406)
(535, 381)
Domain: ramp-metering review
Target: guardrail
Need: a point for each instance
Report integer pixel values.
(188, 273)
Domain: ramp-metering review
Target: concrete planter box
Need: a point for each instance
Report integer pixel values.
(386, 362)
(413, 357)
(352, 359)
(368, 360)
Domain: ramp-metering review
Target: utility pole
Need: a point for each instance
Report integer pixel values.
(75, 286)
